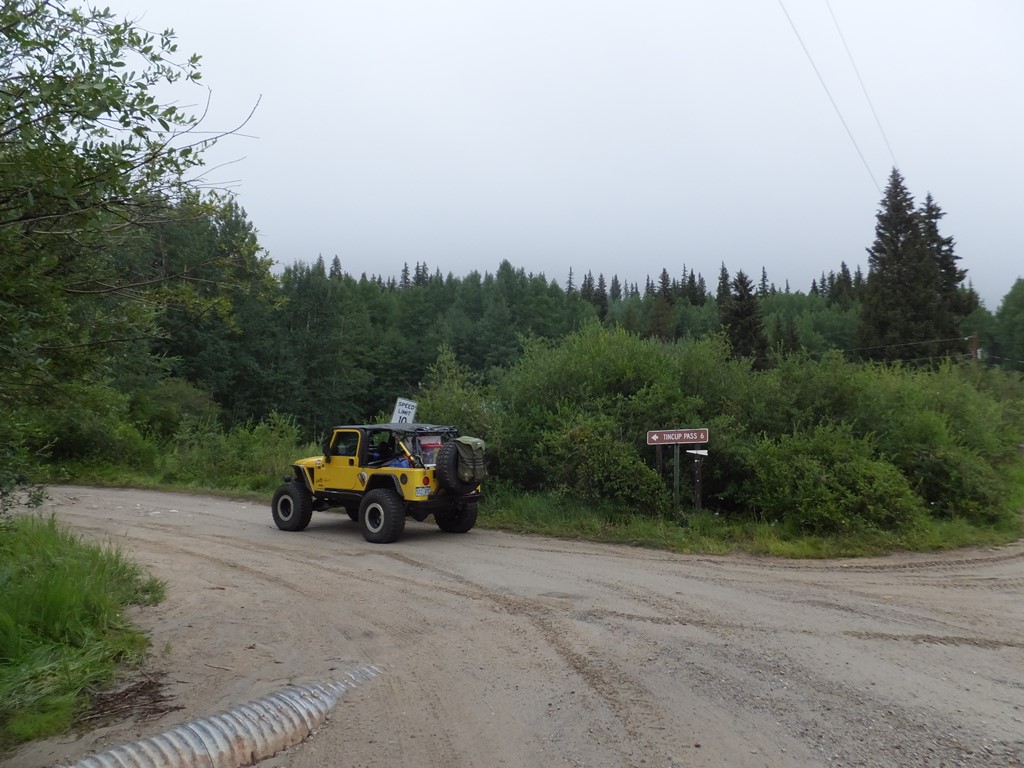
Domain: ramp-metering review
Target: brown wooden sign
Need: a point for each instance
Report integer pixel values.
(677, 436)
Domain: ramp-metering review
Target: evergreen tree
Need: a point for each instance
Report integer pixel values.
(692, 291)
(723, 292)
(942, 251)
(421, 274)
(911, 308)
(665, 287)
(615, 291)
(335, 273)
(587, 287)
(762, 287)
(841, 287)
(601, 298)
(741, 318)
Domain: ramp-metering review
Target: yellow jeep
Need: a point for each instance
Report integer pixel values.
(381, 473)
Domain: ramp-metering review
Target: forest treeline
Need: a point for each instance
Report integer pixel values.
(143, 323)
(326, 347)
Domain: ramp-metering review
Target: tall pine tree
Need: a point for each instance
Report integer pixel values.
(911, 305)
(741, 317)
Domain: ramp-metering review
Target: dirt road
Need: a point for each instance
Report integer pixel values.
(502, 650)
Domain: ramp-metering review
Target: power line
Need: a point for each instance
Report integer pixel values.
(1004, 359)
(829, 94)
(863, 88)
(908, 344)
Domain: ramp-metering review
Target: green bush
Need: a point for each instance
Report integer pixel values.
(951, 478)
(588, 458)
(942, 431)
(641, 384)
(250, 457)
(451, 395)
(825, 481)
(91, 423)
(159, 408)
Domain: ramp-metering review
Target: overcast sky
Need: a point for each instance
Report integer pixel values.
(616, 136)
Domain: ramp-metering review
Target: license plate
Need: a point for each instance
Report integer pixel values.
(422, 490)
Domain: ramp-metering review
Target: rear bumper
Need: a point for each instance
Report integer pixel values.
(419, 510)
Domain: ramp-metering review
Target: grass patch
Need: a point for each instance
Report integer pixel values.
(62, 625)
(710, 533)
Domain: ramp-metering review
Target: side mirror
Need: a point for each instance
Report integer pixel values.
(327, 451)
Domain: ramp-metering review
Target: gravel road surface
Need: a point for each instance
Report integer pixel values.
(504, 650)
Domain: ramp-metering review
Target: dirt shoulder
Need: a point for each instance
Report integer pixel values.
(507, 650)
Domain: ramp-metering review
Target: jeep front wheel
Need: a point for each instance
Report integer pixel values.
(456, 520)
(382, 516)
(292, 507)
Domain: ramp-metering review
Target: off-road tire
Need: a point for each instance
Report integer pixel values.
(447, 470)
(456, 520)
(292, 507)
(381, 516)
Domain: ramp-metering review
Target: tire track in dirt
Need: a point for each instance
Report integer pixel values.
(403, 740)
(831, 696)
(810, 707)
(749, 669)
(627, 699)
(938, 640)
(744, 563)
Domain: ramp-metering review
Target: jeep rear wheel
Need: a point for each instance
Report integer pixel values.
(292, 507)
(382, 516)
(458, 520)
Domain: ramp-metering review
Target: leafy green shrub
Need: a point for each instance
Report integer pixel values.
(159, 408)
(947, 435)
(249, 457)
(825, 481)
(989, 423)
(94, 427)
(640, 384)
(588, 458)
(452, 396)
(944, 432)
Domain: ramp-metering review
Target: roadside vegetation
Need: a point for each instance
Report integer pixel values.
(63, 629)
(808, 457)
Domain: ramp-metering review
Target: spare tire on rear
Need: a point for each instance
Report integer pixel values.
(447, 469)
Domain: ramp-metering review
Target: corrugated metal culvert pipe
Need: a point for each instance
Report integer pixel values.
(241, 736)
